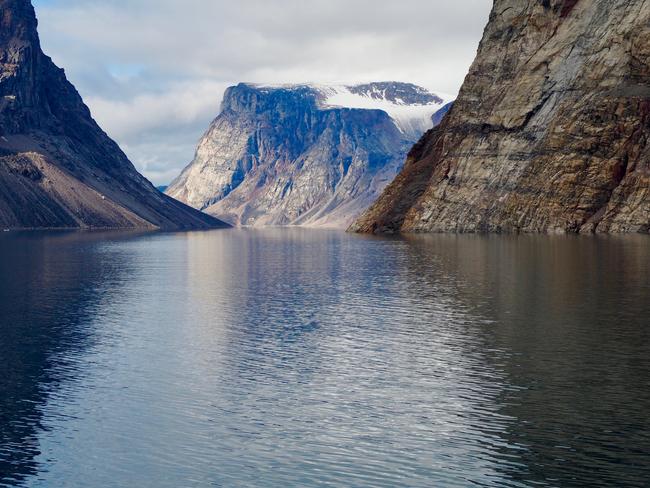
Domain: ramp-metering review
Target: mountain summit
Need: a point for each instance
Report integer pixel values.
(57, 167)
(411, 107)
(311, 154)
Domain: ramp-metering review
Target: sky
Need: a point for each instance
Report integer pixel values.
(153, 72)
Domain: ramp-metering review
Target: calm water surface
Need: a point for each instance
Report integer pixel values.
(306, 358)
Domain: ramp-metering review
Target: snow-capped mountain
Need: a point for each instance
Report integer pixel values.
(410, 106)
(308, 154)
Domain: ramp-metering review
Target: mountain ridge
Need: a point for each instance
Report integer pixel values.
(292, 154)
(409, 105)
(58, 168)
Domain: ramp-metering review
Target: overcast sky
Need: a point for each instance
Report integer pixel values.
(153, 71)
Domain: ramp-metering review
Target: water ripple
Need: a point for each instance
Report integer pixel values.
(306, 358)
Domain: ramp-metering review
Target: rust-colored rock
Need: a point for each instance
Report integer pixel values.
(549, 133)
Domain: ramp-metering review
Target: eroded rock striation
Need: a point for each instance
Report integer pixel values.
(549, 133)
(58, 169)
(311, 155)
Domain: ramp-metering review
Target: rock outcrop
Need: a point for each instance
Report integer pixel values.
(58, 169)
(309, 155)
(549, 133)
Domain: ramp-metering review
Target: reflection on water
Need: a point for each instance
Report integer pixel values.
(304, 358)
(571, 334)
(50, 287)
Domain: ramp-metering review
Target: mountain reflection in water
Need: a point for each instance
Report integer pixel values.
(302, 358)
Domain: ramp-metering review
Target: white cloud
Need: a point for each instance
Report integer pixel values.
(153, 71)
(180, 104)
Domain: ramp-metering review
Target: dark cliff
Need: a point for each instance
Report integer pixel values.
(549, 133)
(57, 167)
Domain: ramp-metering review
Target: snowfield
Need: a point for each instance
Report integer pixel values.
(413, 119)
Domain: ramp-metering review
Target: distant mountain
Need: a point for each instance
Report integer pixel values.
(57, 167)
(313, 154)
(410, 106)
(550, 132)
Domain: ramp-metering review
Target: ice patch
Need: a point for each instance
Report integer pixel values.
(412, 119)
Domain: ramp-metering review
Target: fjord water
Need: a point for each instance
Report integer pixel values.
(308, 358)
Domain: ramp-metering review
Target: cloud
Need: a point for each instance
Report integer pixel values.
(160, 130)
(153, 71)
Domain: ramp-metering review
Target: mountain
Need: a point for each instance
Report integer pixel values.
(314, 155)
(57, 167)
(549, 133)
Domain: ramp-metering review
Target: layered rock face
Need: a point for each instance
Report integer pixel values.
(549, 133)
(58, 169)
(304, 154)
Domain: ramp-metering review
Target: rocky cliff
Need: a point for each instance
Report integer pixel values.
(549, 132)
(57, 167)
(304, 154)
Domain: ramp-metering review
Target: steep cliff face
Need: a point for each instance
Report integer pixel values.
(304, 155)
(549, 132)
(57, 167)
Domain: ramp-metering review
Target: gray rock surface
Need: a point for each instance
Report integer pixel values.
(309, 155)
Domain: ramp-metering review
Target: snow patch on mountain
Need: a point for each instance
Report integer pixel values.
(413, 118)
(410, 106)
